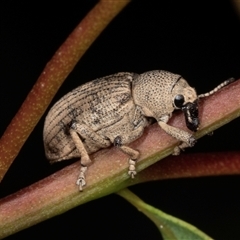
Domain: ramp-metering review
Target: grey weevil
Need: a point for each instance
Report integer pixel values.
(115, 110)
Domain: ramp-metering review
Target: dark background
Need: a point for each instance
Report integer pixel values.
(199, 40)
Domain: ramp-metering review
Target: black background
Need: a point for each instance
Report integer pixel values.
(198, 39)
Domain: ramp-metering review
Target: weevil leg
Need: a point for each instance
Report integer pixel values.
(81, 182)
(85, 132)
(187, 138)
(85, 159)
(132, 169)
(134, 154)
(132, 161)
(177, 149)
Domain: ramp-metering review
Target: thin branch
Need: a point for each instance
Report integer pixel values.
(58, 193)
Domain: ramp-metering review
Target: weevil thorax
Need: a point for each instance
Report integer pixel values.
(152, 92)
(159, 93)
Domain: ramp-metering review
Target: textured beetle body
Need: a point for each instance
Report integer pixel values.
(115, 110)
(105, 106)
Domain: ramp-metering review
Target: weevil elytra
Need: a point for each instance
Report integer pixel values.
(115, 110)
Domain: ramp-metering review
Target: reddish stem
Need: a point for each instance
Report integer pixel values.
(58, 192)
(193, 165)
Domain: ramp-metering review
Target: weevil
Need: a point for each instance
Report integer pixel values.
(114, 110)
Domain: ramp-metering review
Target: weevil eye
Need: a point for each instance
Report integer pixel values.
(179, 100)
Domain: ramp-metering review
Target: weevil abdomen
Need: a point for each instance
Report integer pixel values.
(98, 104)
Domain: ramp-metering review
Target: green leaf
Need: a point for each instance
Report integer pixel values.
(170, 227)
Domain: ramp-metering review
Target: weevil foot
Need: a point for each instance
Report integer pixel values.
(192, 141)
(131, 169)
(177, 150)
(81, 182)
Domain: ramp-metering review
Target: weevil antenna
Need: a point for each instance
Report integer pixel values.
(228, 81)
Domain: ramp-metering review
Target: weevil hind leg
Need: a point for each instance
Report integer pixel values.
(81, 181)
(84, 131)
(85, 159)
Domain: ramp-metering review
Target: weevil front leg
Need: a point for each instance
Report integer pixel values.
(87, 133)
(186, 138)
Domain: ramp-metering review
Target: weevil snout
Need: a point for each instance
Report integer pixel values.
(190, 110)
(191, 115)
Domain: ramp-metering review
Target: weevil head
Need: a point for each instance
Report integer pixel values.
(185, 98)
(158, 93)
